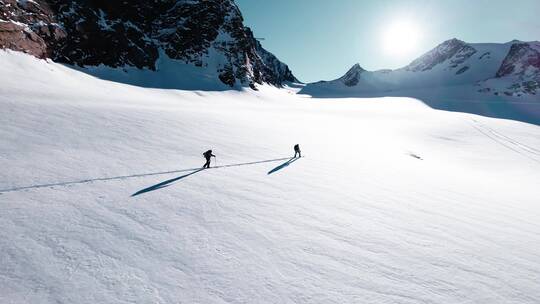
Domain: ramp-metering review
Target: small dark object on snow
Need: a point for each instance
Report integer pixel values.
(297, 151)
(415, 156)
(208, 156)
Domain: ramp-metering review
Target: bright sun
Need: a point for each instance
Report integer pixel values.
(400, 38)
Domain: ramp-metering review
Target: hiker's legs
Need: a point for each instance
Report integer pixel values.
(207, 164)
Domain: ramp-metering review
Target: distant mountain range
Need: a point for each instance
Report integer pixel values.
(509, 69)
(206, 34)
(192, 42)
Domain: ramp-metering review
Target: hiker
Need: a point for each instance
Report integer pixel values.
(297, 151)
(208, 155)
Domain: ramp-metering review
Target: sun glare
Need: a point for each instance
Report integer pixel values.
(400, 38)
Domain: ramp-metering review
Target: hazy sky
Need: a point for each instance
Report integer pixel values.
(321, 39)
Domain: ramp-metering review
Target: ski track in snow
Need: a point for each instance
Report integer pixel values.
(525, 147)
(509, 143)
(361, 220)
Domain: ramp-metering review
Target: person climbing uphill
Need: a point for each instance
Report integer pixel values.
(208, 155)
(297, 151)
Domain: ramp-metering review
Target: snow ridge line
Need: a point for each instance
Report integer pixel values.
(101, 179)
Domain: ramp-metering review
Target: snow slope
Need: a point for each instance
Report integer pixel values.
(393, 202)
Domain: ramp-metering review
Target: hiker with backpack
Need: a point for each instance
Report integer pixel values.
(297, 151)
(208, 156)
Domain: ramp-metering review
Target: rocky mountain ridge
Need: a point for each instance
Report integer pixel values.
(203, 33)
(511, 69)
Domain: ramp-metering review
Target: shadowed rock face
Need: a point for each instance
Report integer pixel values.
(352, 77)
(522, 58)
(120, 33)
(523, 65)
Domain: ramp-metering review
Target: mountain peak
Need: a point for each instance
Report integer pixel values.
(444, 51)
(453, 41)
(207, 34)
(356, 67)
(352, 77)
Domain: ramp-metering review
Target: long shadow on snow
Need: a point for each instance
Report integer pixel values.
(164, 184)
(102, 179)
(285, 164)
(169, 78)
(172, 180)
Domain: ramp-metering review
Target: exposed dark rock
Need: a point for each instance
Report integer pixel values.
(523, 65)
(132, 33)
(521, 57)
(462, 70)
(16, 37)
(226, 75)
(352, 77)
(28, 26)
(485, 55)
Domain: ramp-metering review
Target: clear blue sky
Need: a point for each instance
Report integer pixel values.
(321, 39)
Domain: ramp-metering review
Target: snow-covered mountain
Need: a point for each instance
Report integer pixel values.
(102, 199)
(500, 80)
(208, 34)
(516, 65)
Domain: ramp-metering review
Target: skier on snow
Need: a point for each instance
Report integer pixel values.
(208, 155)
(297, 151)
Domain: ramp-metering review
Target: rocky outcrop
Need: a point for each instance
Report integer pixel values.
(204, 33)
(276, 71)
(16, 37)
(522, 65)
(352, 77)
(523, 58)
(29, 26)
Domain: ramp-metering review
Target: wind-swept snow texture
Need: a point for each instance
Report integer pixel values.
(394, 202)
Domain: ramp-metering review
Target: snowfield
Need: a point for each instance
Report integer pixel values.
(394, 202)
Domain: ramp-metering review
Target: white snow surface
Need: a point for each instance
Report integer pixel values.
(394, 202)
